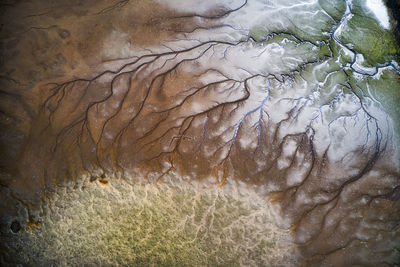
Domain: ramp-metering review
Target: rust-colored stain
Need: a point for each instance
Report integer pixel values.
(103, 181)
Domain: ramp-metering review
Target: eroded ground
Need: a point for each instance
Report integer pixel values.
(242, 133)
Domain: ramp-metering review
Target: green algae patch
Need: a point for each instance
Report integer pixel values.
(339, 54)
(258, 33)
(367, 37)
(324, 51)
(335, 8)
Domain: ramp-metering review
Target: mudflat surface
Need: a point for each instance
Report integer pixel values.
(178, 133)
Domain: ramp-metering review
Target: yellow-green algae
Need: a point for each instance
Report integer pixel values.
(156, 225)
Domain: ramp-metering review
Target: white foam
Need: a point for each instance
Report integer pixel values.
(380, 11)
